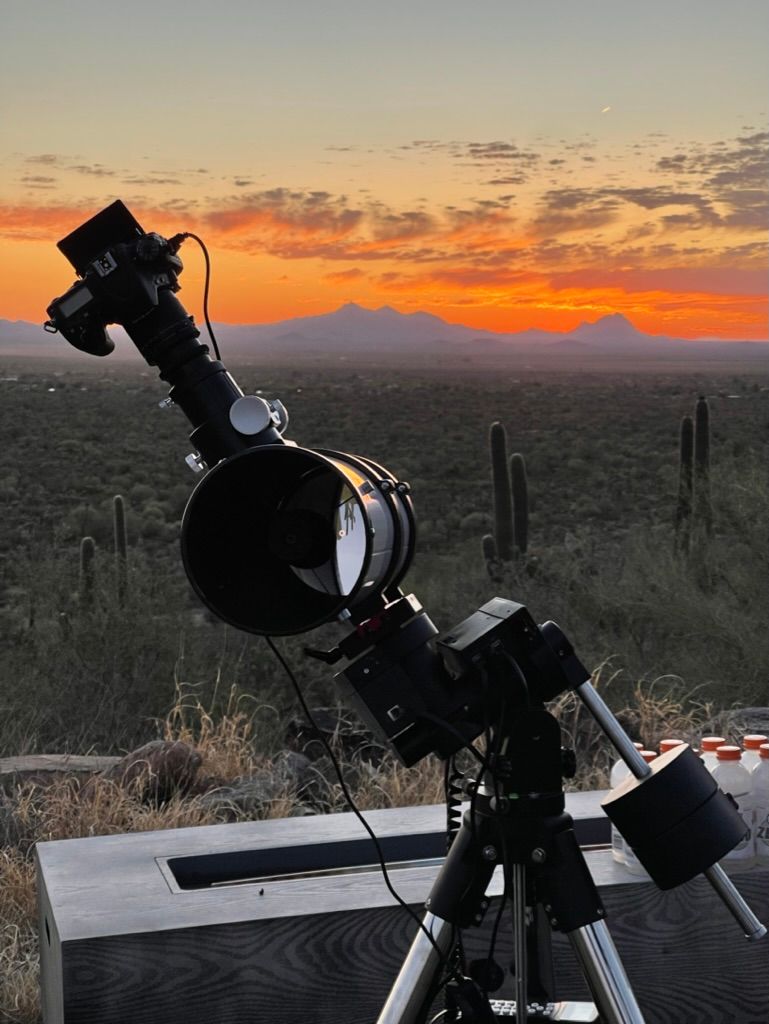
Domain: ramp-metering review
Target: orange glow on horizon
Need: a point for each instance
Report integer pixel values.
(289, 260)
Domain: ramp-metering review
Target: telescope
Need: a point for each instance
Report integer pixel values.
(277, 539)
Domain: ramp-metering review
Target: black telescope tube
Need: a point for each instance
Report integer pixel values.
(202, 387)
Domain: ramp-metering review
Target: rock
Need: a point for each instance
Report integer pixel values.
(294, 768)
(157, 770)
(346, 737)
(289, 775)
(247, 797)
(322, 787)
(42, 769)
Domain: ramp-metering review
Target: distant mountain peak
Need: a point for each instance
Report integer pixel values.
(613, 320)
(614, 327)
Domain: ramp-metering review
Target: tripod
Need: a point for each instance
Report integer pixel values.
(517, 820)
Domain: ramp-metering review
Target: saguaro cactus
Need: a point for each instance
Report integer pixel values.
(87, 572)
(121, 547)
(703, 509)
(520, 502)
(685, 485)
(503, 501)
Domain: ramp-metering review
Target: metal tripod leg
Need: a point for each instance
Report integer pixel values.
(519, 942)
(418, 972)
(605, 974)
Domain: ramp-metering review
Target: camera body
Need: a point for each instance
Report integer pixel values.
(123, 271)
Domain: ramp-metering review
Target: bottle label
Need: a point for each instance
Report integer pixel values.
(745, 849)
(762, 832)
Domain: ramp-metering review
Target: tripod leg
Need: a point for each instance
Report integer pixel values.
(418, 972)
(519, 943)
(605, 974)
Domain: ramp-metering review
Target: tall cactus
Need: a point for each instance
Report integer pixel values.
(87, 573)
(685, 486)
(703, 509)
(520, 502)
(503, 500)
(121, 547)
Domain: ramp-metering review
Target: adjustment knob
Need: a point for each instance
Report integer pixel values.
(196, 462)
(250, 415)
(149, 247)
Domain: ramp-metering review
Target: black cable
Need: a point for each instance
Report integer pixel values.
(515, 668)
(448, 728)
(445, 962)
(202, 244)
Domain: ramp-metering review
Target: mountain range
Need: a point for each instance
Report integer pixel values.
(353, 329)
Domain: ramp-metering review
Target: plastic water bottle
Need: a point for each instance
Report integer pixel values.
(619, 771)
(732, 777)
(751, 745)
(708, 747)
(759, 777)
(632, 863)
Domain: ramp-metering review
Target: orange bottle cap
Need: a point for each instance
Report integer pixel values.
(728, 753)
(753, 741)
(763, 750)
(712, 742)
(648, 755)
(666, 745)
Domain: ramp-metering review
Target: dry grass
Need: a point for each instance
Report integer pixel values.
(656, 710)
(227, 742)
(19, 958)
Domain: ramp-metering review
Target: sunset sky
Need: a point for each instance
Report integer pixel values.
(501, 163)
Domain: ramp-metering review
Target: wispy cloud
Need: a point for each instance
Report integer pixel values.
(38, 181)
(48, 159)
(95, 170)
(344, 276)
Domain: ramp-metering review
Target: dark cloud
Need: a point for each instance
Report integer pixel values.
(744, 255)
(678, 162)
(49, 159)
(343, 276)
(510, 179)
(151, 180)
(95, 170)
(570, 209)
(38, 180)
(406, 224)
(242, 182)
(288, 222)
(731, 175)
(500, 151)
